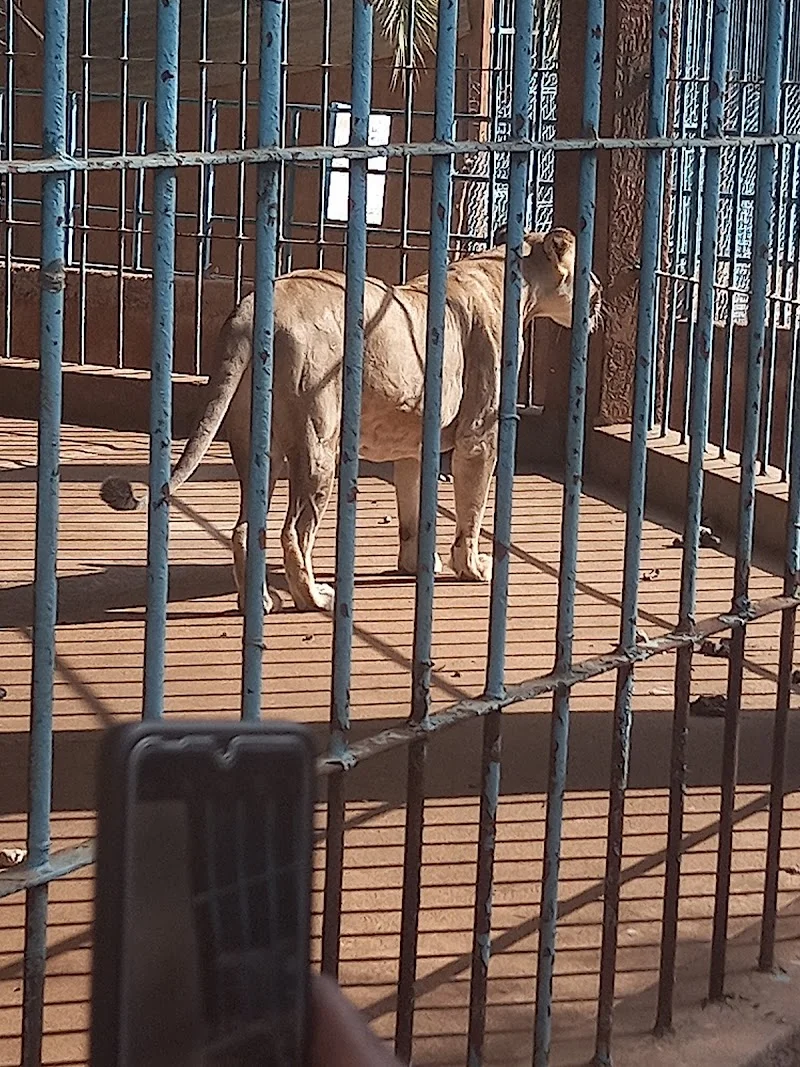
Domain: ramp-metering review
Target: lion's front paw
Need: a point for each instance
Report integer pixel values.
(407, 563)
(325, 597)
(476, 567)
(270, 602)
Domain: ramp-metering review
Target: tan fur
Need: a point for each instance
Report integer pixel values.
(309, 340)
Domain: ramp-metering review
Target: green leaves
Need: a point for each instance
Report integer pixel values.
(410, 27)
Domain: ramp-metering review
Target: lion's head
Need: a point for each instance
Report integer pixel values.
(549, 270)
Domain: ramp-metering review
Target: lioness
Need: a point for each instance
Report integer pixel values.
(309, 344)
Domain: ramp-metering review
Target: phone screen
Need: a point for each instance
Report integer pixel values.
(214, 947)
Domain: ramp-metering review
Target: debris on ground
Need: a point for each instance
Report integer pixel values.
(708, 539)
(719, 649)
(11, 857)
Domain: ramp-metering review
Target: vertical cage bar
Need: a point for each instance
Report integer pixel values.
(203, 178)
(484, 882)
(434, 355)
(405, 203)
(783, 264)
(73, 111)
(513, 324)
(287, 252)
(511, 351)
(759, 277)
(244, 59)
(352, 376)
(84, 216)
(267, 206)
(45, 609)
(142, 115)
(334, 874)
(791, 583)
(701, 375)
(8, 104)
(208, 192)
(161, 352)
(573, 482)
(409, 914)
(326, 132)
(733, 257)
(436, 326)
(123, 177)
(350, 439)
(643, 374)
(766, 954)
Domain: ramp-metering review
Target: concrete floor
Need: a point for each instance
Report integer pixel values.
(99, 667)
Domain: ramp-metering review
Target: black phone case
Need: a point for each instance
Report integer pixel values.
(110, 890)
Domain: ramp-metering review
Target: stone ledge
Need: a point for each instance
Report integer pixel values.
(608, 462)
(105, 397)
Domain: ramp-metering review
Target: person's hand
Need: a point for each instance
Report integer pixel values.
(340, 1037)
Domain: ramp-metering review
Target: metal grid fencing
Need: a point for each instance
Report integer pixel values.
(700, 137)
(688, 104)
(110, 112)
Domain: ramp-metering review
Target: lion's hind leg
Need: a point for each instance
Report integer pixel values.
(473, 467)
(406, 484)
(311, 475)
(270, 599)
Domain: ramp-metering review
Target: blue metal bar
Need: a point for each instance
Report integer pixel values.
(762, 243)
(791, 586)
(244, 58)
(45, 608)
(203, 121)
(84, 233)
(421, 668)
(412, 883)
(504, 486)
(123, 178)
(398, 150)
(782, 240)
(269, 132)
(408, 115)
(142, 114)
(9, 96)
(434, 355)
(691, 536)
(733, 257)
(573, 482)
(350, 438)
(73, 111)
(511, 344)
(212, 128)
(161, 352)
(326, 130)
(484, 885)
(286, 247)
(356, 269)
(643, 373)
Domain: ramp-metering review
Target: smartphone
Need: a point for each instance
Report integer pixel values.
(203, 884)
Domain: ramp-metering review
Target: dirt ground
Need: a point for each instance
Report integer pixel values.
(99, 681)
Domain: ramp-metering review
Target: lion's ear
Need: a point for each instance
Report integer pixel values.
(559, 247)
(500, 236)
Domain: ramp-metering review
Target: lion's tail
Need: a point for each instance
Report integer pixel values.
(237, 341)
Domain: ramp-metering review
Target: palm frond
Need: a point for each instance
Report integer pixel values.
(410, 27)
